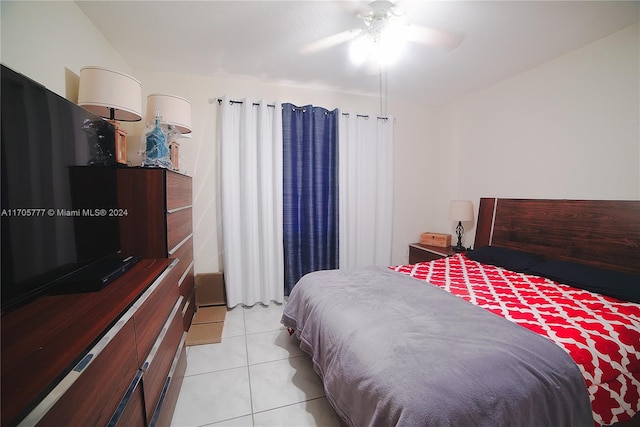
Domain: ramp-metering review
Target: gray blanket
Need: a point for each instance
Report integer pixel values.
(392, 350)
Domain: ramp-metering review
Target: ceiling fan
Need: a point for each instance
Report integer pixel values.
(385, 29)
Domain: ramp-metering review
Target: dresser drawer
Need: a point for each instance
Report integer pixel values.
(98, 388)
(133, 414)
(184, 253)
(142, 231)
(166, 405)
(186, 285)
(178, 190)
(178, 227)
(158, 364)
(152, 309)
(416, 256)
(423, 253)
(186, 282)
(189, 310)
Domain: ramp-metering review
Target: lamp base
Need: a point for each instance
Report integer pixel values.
(174, 148)
(120, 144)
(459, 230)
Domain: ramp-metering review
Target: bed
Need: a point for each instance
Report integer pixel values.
(487, 341)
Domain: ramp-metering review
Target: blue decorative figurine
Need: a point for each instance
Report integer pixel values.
(157, 149)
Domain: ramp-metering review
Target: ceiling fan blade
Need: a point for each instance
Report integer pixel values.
(356, 7)
(448, 40)
(329, 41)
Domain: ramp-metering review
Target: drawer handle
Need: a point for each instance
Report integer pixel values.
(163, 332)
(176, 247)
(156, 412)
(167, 383)
(170, 211)
(125, 400)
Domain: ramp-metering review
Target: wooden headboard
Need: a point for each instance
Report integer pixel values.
(603, 233)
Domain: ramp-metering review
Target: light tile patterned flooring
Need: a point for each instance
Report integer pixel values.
(257, 376)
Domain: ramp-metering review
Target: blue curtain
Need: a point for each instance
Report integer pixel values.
(310, 191)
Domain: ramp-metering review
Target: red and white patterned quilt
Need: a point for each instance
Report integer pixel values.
(600, 333)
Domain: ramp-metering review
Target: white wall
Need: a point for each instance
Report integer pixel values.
(418, 179)
(569, 129)
(50, 41)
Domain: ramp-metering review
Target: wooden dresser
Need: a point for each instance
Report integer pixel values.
(159, 222)
(115, 356)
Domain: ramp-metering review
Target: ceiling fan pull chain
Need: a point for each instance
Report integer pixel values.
(386, 92)
(380, 88)
(383, 92)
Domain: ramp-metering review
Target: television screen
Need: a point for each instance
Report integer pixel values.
(52, 224)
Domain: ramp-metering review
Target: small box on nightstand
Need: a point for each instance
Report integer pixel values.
(436, 239)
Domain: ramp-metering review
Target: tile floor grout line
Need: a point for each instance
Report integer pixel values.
(280, 360)
(291, 404)
(246, 345)
(264, 332)
(214, 372)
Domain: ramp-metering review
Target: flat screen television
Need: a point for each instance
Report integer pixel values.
(47, 233)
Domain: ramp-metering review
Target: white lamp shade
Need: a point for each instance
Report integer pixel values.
(174, 110)
(104, 91)
(461, 210)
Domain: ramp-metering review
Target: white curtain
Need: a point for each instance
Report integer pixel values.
(366, 190)
(251, 201)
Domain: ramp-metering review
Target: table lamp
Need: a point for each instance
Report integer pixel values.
(175, 119)
(112, 95)
(460, 210)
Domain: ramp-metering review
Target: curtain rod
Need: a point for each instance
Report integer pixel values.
(231, 101)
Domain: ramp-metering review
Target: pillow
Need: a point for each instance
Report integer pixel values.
(622, 286)
(510, 259)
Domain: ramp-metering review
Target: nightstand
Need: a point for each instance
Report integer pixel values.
(422, 253)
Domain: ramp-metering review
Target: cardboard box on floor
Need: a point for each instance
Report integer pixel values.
(211, 309)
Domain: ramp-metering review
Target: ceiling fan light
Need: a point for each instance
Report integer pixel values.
(389, 46)
(360, 49)
(384, 39)
(394, 33)
(386, 54)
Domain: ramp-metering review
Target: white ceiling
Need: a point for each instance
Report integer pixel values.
(262, 39)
